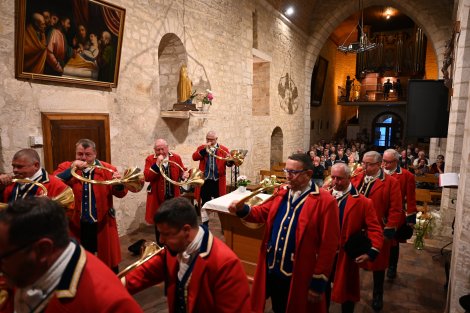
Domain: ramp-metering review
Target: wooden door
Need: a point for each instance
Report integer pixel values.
(62, 131)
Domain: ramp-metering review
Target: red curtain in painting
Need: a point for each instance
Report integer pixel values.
(112, 19)
(81, 13)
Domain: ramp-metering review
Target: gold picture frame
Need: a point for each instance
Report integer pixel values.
(69, 41)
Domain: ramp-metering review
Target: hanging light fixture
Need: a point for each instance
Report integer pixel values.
(363, 44)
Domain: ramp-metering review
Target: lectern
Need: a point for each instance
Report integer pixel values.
(243, 238)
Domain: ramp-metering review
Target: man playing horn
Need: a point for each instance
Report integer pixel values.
(94, 218)
(160, 189)
(214, 171)
(299, 245)
(27, 165)
(200, 272)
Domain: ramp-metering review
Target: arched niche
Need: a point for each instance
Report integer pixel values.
(277, 146)
(171, 56)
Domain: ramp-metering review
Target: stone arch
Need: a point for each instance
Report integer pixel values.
(435, 21)
(171, 56)
(277, 146)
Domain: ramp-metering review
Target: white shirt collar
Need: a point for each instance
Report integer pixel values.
(184, 258)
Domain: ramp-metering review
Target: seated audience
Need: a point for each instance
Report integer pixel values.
(438, 166)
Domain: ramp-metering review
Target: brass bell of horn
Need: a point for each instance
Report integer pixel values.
(236, 156)
(133, 178)
(196, 176)
(267, 184)
(66, 198)
(149, 250)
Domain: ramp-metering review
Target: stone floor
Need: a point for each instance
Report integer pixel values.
(419, 286)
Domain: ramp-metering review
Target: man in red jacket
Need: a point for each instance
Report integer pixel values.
(200, 272)
(384, 191)
(356, 213)
(299, 245)
(408, 192)
(160, 189)
(214, 171)
(27, 165)
(51, 273)
(94, 219)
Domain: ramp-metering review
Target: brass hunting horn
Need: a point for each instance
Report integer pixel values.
(25, 181)
(267, 184)
(196, 176)
(149, 250)
(133, 178)
(236, 156)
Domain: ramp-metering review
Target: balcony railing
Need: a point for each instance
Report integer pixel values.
(371, 93)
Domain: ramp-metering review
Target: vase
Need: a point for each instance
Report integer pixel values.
(241, 188)
(419, 241)
(206, 107)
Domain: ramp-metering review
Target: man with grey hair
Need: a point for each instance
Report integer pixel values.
(106, 58)
(160, 189)
(355, 213)
(390, 164)
(384, 191)
(215, 182)
(27, 165)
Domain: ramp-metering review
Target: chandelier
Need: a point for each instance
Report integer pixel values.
(363, 44)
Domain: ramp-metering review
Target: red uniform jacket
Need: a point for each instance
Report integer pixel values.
(87, 286)
(359, 213)
(316, 243)
(386, 196)
(156, 188)
(54, 187)
(220, 168)
(408, 191)
(218, 283)
(109, 249)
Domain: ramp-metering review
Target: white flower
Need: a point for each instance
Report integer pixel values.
(242, 178)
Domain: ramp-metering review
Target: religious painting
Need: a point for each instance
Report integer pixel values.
(318, 81)
(69, 41)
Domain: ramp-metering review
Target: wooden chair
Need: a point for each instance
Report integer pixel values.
(424, 196)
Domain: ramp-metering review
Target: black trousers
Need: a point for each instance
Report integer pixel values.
(278, 289)
(209, 190)
(379, 277)
(394, 254)
(89, 236)
(89, 239)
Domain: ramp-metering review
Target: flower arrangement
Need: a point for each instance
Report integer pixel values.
(204, 97)
(423, 227)
(242, 180)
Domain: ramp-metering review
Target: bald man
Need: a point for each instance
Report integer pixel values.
(215, 182)
(160, 189)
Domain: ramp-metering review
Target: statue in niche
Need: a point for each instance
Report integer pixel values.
(184, 85)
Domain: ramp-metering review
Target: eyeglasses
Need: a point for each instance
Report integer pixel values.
(292, 172)
(388, 162)
(16, 250)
